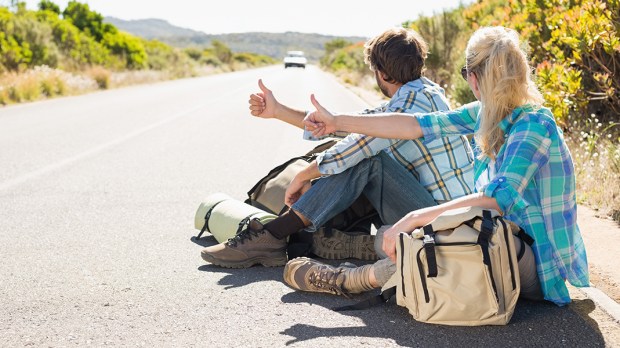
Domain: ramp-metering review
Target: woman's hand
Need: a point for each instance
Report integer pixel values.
(320, 122)
(407, 224)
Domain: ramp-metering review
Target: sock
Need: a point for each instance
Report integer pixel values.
(285, 225)
(357, 279)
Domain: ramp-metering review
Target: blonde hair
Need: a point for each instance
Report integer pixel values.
(501, 67)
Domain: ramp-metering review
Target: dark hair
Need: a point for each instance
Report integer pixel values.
(398, 53)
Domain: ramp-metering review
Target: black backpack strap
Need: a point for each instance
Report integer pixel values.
(245, 221)
(521, 250)
(383, 297)
(205, 227)
(525, 237)
(486, 232)
(484, 238)
(429, 247)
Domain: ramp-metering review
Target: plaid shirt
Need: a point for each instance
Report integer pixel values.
(443, 166)
(534, 185)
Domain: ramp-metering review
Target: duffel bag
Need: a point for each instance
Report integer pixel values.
(460, 269)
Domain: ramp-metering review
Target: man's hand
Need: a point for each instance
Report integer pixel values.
(320, 122)
(263, 104)
(295, 190)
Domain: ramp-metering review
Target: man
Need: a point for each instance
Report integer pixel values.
(396, 176)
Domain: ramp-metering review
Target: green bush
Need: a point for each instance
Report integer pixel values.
(348, 58)
(129, 48)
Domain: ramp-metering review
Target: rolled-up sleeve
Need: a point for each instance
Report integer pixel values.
(461, 121)
(338, 135)
(526, 151)
(508, 198)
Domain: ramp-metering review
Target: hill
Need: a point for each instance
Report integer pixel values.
(271, 44)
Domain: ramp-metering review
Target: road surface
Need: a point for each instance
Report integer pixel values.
(97, 199)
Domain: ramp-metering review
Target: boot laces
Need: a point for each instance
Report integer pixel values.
(327, 279)
(245, 234)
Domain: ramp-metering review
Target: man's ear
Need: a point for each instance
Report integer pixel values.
(384, 77)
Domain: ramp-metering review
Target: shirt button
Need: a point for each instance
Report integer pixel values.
(501, 180)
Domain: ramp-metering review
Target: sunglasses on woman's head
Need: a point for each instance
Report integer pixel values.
(464, 72)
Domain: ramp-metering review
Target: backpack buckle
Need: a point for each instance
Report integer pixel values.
(428, 239)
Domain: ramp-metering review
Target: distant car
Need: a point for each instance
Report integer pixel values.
(295, 58)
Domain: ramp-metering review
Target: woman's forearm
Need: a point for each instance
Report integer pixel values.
(389, 125)
(421, 217)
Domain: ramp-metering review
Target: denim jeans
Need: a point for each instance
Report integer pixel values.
(389, 187)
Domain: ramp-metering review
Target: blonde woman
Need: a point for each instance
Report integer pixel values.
(522, 169)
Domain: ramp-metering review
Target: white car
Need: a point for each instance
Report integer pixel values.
(295, 58)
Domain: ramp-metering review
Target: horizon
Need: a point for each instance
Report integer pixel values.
(251, 16)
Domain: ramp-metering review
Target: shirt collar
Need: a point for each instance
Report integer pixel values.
(416, 86)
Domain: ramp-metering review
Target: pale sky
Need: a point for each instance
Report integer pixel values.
(329, 17)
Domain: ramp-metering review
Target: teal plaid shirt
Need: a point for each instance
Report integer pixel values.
(443, 166)
(534, 186)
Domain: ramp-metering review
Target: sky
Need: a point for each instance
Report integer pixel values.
(328, 17)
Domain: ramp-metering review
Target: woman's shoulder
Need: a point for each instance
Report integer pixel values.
(529, 116)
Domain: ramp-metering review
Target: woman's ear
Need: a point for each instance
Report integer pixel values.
(473, 83)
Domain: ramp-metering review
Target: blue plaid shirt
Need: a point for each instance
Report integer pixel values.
(534, 185)
(443, 166)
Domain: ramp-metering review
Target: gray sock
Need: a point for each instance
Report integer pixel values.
(357, 279)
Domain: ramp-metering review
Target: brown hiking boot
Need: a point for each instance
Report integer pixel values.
(338, 245)
(251, 246)
(307, 274)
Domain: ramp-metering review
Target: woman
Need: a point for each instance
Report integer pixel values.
(523, 168)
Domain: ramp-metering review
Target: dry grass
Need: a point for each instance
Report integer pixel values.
(41, 82)
(596, 152)
(44, 82)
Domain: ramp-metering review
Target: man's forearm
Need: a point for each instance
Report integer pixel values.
(310, 172)
(388, 126)
(291, 116)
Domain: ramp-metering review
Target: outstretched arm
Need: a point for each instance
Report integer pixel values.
(389, 125)
(264, 105)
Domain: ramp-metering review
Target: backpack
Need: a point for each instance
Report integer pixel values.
(268, 195)
(461, 269)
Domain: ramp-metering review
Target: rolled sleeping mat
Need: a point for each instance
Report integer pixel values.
(224, 217)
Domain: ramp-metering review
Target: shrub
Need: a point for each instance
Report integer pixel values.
(129, 48)
(101, 76)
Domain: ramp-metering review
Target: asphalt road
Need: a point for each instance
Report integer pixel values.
(97, 200)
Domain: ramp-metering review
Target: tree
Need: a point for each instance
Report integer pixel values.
(47, 5)
(86, 20)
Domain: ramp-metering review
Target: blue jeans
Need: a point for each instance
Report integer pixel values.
(389, 187)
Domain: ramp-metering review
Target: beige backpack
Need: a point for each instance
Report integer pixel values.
(461, 269)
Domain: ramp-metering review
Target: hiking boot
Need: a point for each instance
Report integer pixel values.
(338, 245)
(251, 246)
(307, 274)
